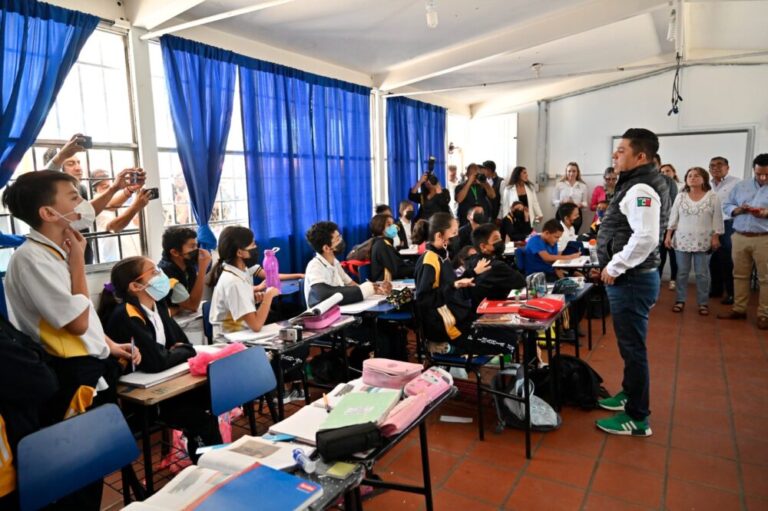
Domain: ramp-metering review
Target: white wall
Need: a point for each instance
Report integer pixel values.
(580, 127)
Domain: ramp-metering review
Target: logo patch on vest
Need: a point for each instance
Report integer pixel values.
(643, 202)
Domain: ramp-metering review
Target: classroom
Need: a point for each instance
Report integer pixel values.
(403, 254)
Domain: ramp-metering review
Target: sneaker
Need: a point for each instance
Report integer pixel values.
(623, 424)
(672, 285)
(615, 403)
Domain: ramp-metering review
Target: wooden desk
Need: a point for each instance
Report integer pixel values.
(157, 393)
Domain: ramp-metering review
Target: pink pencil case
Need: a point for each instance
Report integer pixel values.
(390, 374)
(324, 320)
(403, 415)
(432, 383)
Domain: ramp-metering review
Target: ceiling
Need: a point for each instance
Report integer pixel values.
(493, 42)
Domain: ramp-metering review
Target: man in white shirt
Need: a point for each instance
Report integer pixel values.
(721, 263)
(628, 242)
(450, 183)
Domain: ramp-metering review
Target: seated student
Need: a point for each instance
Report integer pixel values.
(443, 303)
(475, 217)
(386, 263)
(420, 235)
(600, 209)
(324, 276)
(133, 308)
(501, 277)
(541, 251)
(568, 213)
(383, 209)
(181, 260)
(516, 225)
(233, 304)
(405, 223)
(459, 261)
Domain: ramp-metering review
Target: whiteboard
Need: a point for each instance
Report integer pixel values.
(695, 149)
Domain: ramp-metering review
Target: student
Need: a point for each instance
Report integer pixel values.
(569, 214)
(133, 308)
(180, 261)
(495, 181)
(475, 217)
(386, 263)
(442, 301)
(420, 235)
(324, 275)
(501, 277)
(405, 224)
(47, 291)
(233, 304)
(459, 261)
(516, 225)
(541, 251)
(594, 227)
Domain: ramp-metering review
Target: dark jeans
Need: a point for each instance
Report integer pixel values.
(721, 265)
(631, 298)
(663, 252)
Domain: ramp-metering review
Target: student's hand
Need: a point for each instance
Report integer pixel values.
(74, 245)
(422, 179)
(142, 199)
(203, 259)
(382, 288)
(606, 277)
(124, 351)
(464, 283)
(258, 296)
(759, 212)
(261, 287)
(123, 179)
(483, 265)
(271, 292)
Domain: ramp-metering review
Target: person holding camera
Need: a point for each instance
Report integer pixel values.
(431, 197)
(476, 190)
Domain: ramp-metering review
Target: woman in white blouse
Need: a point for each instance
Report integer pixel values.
(695, 226)
(520, 189)
(669, 170)
(571, 188)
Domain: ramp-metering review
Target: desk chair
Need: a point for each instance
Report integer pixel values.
(207, 326)
(240, 379)
(63, 458)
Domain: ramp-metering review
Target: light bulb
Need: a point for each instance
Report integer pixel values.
(431, 7)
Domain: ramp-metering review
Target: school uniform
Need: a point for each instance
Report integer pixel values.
(515, 228)
(323, 279)
(40, 304)
(404, 233)
(186, 277)
(386, 263)
(494, 283)
(232, 299)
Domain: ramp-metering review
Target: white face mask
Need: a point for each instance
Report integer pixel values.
(87, 216)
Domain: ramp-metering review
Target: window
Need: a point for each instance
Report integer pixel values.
(231, 204)
(94, 100)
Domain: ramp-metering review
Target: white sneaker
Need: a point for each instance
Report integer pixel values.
(672, 285)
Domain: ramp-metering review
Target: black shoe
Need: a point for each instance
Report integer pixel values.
(728, 300)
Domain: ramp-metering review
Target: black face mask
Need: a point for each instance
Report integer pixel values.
(519, 216)
(498, 248)
(453, 245)
(478, 218)
(339, 249)
(253, 257)
(192, 255)
(408, 215)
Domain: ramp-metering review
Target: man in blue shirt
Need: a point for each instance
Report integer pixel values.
(748, 206)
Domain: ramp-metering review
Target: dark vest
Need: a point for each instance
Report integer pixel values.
(615, 231)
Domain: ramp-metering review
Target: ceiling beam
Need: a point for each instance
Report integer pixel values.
(214, 18)
(551, 27)
(152, 13)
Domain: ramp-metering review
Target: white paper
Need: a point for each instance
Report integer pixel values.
(572, 263)
(266, 333)
(248, 450)
(303, 425)
(362, 306)
(144, 380)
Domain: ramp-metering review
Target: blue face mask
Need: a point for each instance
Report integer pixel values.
(158, 287)
(600, 213)
(391, 231)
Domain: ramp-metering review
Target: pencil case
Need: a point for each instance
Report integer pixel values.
(404, 414)
(324, 320)
(432, 383)
(342, 443)
(390, 374)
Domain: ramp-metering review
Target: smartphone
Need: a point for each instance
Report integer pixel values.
(133, 178)
(153, 193)
(86, 142)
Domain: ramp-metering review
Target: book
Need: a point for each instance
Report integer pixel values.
(498, 306)
(302, 425)
(361, 407)
(248, 450)
(363, 305)
(144, 380)
(267, 333)
(341, 390)
(320, 308)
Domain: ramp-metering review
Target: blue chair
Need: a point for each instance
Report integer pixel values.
(207, 326)
(65, 457)
(238, 380)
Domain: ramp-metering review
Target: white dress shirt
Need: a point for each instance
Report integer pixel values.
(644, 220)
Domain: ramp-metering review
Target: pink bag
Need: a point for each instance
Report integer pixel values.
(403, 414)
(432, 383)
(390, 374)
(198, 365)
(324, 320)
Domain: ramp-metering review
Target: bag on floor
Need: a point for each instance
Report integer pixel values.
(580, 385)
(511, 413)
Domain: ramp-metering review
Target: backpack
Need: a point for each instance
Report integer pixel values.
(511, 413)
(580, 385)
(361, 252)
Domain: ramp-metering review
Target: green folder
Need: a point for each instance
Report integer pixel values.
(362, 407)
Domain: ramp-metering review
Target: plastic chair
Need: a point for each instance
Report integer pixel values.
(60, 459)
(207, 326)
(238, 380)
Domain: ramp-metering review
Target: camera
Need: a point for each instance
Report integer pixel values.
(85, 142)
(153, 193)
(431, 165)
(481, 178)
(289, 334)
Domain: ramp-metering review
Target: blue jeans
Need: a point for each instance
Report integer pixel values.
(700, 263)
(631, 299)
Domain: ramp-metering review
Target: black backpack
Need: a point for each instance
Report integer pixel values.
(580, 385)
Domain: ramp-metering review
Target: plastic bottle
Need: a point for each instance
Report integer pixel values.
(593, 253)
(303, 461)
(272, 268)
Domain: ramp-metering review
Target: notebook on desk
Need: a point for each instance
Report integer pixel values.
(361, 407)
(266, 333)
(362, 306)
(302, 425)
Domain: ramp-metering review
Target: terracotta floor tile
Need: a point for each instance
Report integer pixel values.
(756, 503)
(755, 479)
(455, 438)
(533, 494)
(717, 472)
(508, 455)
(704, 441)
(628, 483)
(445, 500)
(702, 418)
(685, 495)
(753, 450)
(482, 482)
(558, 465)
(597, 502)
(636, 452)
(577, 434)
(408, 464)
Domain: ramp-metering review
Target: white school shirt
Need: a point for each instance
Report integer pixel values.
(320, 271)
(569, 234)
(645, 222)
(232, 299)
(38, 287)
(157, 322)
(407, 227)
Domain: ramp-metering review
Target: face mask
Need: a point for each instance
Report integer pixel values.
(158, 287)
(498, 248)
(453, 245)
(253, 257)
(600, 213)
(478, 218)
(179, 293)
(391, 231)
(519, 216)
(409, 215)
(87, 216)
(339, 248)
(192, 255)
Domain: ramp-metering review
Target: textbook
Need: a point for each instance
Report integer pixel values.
(302, 425)
(361, 407)
(267, 332)
(319, 309)
(248, 450)
(144, 380)
(257, 487)
(498, 306)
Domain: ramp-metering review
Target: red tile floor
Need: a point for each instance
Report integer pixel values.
(709, 399)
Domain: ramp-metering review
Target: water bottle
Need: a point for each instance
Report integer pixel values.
(303, 461)
(593, 253)
(272, 268)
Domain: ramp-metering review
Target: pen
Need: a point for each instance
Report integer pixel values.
(325, 402)
(133, 347)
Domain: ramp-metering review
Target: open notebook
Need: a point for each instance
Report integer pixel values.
(320, 308)
(143, 380)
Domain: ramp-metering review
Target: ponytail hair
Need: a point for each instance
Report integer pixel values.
(439, 223)
(115, 292)
(231, 239)
(420, 232)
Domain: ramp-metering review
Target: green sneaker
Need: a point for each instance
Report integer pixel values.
(623, 424)
(615, 403)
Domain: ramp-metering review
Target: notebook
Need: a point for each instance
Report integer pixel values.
(361, 407)
(248, 450)
(319, 309)
(143, 380)
(362, 306)
(266, 333)
(302, 425)
(498, 306)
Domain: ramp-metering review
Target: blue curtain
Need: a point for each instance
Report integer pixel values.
(307, 155)
(415, 131)
(39, 43)
(201, 89)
